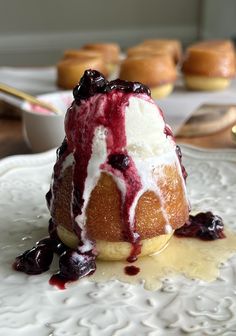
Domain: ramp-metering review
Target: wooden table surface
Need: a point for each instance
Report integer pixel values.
(12, 141)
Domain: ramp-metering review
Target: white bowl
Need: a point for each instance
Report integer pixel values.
(43, 131)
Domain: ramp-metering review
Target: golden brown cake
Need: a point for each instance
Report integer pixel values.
(171, 46)
(144, 50)
(209, 65)
(70, 70)
(118, 185)
(110, 52)
(156, 71)
(81, 53)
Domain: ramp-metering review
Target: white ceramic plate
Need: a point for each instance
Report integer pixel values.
(30, 306)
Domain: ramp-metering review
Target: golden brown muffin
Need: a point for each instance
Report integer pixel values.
(156, 71)
(144, 50)
(110, 52)
(113, 192)
(171, 46)
(104, 222)
(81, 53)
(70, 70)
(209, 65)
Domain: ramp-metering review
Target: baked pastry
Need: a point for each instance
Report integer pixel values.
(171, 46)
(117, 188)
(81, 53)
(209, 65)
(141, 50)
(110, 52)
(118, 185)
(156, 71)
(70, 70)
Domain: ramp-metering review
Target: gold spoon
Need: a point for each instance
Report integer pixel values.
(26, 97)
(233, 131)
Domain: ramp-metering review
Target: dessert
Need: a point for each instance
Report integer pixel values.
(156, 71)
(81, 53)
(170, 46)
(70, 69)
(144, 50)
(119, 179)
(120, 183)
(110, 52)
(209, 65)
(118, 187)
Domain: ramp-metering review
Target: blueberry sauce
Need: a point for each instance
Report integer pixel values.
(62, 149)
(98, 103)
(72, 264)
(34, 261)
(135, 251)
(106, 110)
(94, 82)
(48, 197)
(119, 161)
(179, 154)
(131, 270)
(168, 132)
(204, 225)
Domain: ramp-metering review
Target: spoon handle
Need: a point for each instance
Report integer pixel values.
(30, 99)
(233, 132)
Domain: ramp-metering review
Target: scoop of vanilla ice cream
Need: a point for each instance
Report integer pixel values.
(145, 127)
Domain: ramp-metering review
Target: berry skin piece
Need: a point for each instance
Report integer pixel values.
(74, 265)
(34, 261)
(119, 161)
(205, 226)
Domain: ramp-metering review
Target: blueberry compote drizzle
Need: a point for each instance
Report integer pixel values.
(132, 270)
(94, 82)
(179, 154)
(119, 161)
(39, 258)
(36, 260)
(204, 225)
(107, 112)
(169, 133)
(72, 264)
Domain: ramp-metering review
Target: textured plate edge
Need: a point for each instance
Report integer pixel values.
(28, 160)
(208, 154)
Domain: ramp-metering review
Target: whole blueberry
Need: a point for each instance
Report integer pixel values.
(74, 265)
(34, 261)
(119, 161)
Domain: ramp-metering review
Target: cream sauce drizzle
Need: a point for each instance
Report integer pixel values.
(192, 257)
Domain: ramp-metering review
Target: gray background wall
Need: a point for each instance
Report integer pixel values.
(219, 19)
(36, 32)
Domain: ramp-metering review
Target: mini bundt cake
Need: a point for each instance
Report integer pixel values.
(157, 71)
(171, 46)
(69, 69)
(109, 51)
(117, 185)
(209, 65)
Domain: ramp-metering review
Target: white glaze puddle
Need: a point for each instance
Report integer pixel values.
(192, 257)
(29, 305)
